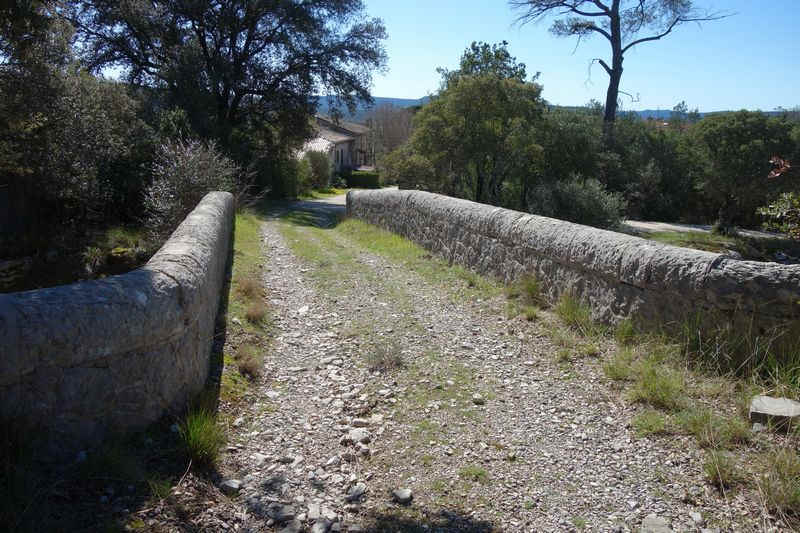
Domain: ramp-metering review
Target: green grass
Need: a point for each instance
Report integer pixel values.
(649, 422)
(712, 430)
(625, 332)
(202, 437)
(319, 194)
(620, 367)
(413, 257)
(659, 386)
(577, 315)
(474, 474)
(697, 240)
(779, 483)
(246, 300)
(233, 385)
(721, 470)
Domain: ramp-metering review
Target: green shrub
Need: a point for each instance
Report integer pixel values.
(320, 169)
(584, 201)
(364, 179)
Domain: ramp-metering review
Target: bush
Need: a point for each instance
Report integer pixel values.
(783, 214)
(364, 179)
(409, 170)
(320, 169)
(584, 201)
(183, 172)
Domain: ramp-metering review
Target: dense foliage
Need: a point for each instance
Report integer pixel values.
(217, 85)
(244, 71)
(488, 136)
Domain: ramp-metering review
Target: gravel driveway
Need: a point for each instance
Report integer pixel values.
(474, 414)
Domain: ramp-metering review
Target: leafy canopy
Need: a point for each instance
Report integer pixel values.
(262, 56)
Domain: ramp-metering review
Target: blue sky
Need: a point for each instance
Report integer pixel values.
(750, 60)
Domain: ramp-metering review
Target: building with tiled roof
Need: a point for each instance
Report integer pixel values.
(346, 143)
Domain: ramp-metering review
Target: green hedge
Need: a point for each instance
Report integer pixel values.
(364, 179)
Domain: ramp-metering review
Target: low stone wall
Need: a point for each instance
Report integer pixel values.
(619, 275)
(84, 360)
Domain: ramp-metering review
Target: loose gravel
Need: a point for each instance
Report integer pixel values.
(475, 417)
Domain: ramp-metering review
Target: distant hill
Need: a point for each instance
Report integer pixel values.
(363, 111)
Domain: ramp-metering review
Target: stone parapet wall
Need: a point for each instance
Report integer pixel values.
(619, 275)
(84, 360)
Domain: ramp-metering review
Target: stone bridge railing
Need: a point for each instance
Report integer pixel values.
(84, 360)
(619, 275)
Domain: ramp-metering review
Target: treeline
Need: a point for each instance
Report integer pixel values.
(489, 136)
(206, 95)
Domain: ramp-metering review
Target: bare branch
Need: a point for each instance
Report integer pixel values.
(604, 65)
(629, 95)
(675, 22)
(534, 11)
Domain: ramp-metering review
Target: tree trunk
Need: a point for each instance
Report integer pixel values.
(612, 94)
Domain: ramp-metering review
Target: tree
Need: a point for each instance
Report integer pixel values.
(479, 132)
(485, 59)
(390, 127)
(734, 150)
(623, 23)
(238, 58)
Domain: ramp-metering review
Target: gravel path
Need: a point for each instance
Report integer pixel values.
(488, 430)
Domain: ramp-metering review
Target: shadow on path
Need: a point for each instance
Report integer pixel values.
(443, 521)
(326, 213)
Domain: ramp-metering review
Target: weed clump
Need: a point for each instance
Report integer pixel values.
(249, 361)
(649, 422)
(714, 431)
(659, 386)
(528, 290)
(780, 483)
(248, 287)
(576, 315)
(474, 473)
(384, 358)
(620, 368)
(721, 470)
(255, 312)
(201, 436)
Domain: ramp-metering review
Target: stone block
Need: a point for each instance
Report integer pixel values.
(777, 413)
